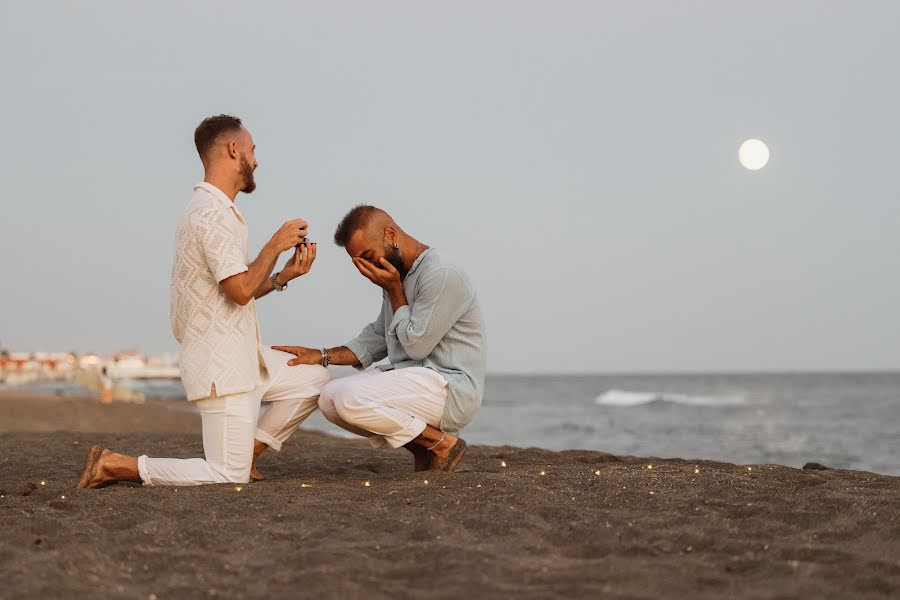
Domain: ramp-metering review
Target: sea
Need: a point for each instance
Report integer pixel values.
(842, 420)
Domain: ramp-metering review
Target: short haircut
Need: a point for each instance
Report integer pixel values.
(209, 130)
(358, 218)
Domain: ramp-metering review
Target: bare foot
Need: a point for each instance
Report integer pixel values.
(444, 450)
(104, 467)
(448, 454)
(90, 476)
(258, 448)
(421, 456)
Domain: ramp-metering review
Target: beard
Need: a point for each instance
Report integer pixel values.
(393, 256)
(247, 175)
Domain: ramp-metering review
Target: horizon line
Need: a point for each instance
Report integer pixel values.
(688, 372)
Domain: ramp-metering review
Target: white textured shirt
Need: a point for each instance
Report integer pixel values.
(221, 352)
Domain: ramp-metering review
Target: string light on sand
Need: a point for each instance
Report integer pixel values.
(367, 484)
(597, 472)
(43, 482)
(238, 488)
(303, 485)
(503, 463)
(424, 482)
(650, 467)
(543, 473)
(749, 468)
(696, 471)
(62, 497)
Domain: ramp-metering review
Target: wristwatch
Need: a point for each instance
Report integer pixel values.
(278, 287)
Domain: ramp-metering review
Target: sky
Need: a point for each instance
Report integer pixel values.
(578, 159)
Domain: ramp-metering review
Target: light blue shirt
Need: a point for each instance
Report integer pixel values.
(442, 328)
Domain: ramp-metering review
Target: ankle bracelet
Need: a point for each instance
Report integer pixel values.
(443, 435)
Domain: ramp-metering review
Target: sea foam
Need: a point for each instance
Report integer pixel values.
(627, 398)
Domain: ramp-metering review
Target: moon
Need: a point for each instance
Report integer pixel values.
(753, 154)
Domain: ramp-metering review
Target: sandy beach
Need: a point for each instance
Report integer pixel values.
(548, 524)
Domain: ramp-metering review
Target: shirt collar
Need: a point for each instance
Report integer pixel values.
(220, 196)
(418, 260)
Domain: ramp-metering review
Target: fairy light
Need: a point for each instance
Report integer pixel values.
(303, 485)
(749, 468)
(696, 471)
(503, 463)
(425, 482)
(597, 472)
(367, 484)
(543, 473)
(43, 482)
(238, 488)
(62, 497)
(650, 466)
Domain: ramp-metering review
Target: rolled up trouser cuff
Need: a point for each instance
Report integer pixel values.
(407, 435)
(377, 441)
(268, 440)
(142, 470)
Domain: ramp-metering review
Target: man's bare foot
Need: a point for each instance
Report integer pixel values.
(448, 454)
(104, 467)
(420, 455)
(444, 450)
(258, 448)
(90, 473)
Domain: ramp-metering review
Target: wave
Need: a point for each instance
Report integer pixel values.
(626, 398)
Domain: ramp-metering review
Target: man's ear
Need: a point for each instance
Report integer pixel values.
(232, 149)
(390, 235)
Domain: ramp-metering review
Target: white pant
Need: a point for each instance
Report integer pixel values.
(387, 407)
(232, 423)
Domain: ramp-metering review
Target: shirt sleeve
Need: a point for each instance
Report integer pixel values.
(442, 297)
(219, 239)
(370, 346)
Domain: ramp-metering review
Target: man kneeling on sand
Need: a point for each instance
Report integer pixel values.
(226, 371)
(431, 330)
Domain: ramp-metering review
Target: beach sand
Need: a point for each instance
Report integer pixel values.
(314, 529)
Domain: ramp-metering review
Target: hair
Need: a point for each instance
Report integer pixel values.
(209, 130)
(358, 218)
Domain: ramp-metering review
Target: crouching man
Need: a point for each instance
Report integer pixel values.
(430, 328)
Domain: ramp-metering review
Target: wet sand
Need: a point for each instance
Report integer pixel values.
(314, 529)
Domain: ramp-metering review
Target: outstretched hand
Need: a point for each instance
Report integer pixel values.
(384, 274)
(305, 356)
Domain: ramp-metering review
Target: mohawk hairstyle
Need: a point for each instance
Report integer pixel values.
(210, 129)
(358, 218)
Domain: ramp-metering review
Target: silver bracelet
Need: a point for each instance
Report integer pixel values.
(326, 358)
(275, 285)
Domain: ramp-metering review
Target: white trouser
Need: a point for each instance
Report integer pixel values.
(232, 423)
(387, 407)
